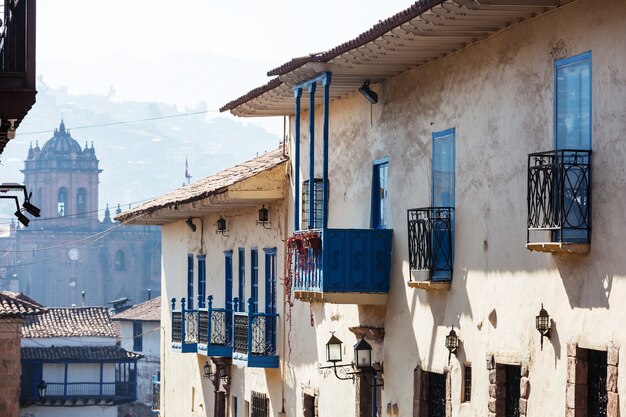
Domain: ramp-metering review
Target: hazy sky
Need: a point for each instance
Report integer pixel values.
(188, 52)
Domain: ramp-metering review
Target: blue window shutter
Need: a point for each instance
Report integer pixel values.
(201, 281)
(379, 194)
(228, 278)
(242, 279)
(270, 280)
(573, 102)
(189, 281)
(254, 279)
(443, 168)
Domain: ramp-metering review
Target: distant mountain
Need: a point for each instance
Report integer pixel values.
(139, 160)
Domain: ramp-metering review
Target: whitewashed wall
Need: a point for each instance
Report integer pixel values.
(498, 95)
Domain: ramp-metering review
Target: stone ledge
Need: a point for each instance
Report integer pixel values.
(429, 285)
(559, 247)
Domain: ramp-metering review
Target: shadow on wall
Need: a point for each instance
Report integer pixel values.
(585, 280)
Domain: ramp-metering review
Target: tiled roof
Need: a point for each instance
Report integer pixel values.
(424, 32)
(70, 322)
(207, 187)
(18, 305)
(146, 311)
(78, 353)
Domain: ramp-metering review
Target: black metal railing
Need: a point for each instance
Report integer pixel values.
(203, 326)
(191, 326)
(156, 393)
(241, 333)
(177, 326)
(220, 327)
(110, 391)
(431, 240)
(559, 195)
(13, 34)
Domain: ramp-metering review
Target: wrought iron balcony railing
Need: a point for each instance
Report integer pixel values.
(184, 328)
(431, 241)
(346, 266)
(156, 394)
(255, 339)
(215, 330)
(87, 392)
(559, 199)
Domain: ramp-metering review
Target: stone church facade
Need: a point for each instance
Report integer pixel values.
(68, 249)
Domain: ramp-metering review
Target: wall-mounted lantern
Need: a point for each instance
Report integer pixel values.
(190, 225)
(221, 373)
(362, 364)
(221, 226)
(367, 92)
(264, 217)
(542, 324)
(452, 343)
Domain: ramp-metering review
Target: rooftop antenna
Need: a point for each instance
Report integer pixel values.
(187, 172)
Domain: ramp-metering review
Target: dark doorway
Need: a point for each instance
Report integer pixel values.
(513, 376)
(597, 396)
(436, 395)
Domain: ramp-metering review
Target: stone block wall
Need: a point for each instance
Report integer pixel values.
(10, 367)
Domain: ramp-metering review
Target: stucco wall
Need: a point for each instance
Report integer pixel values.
(498, 95)
(148, 366)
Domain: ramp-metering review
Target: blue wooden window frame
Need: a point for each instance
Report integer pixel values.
(137, 336)
(242, 279)
(254, 279)
(380, 199)
(270, 280)
(190, 281)
(318, 203)
(228, 278)
(562, 117)
(201, 281)
(443, 192)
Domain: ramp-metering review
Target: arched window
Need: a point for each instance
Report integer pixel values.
(81, 202)
(62, 202)
(119, 261)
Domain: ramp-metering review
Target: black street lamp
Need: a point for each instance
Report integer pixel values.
(362, 363)
(452, 343)
(542, 324)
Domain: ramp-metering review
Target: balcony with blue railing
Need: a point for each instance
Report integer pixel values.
(184, 328)
(215, 334)
(78, 393)
(343, 266)
(559, 201)
(255, 338)
(431, 247)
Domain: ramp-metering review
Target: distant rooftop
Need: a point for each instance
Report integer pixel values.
(147, 311)
(13, 305)
(78, 353)
(70, 322)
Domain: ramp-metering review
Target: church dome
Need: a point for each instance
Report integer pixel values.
(61, 144)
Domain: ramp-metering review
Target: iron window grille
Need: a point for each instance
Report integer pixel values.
(260, 405)
(318, 203)
(467, 386)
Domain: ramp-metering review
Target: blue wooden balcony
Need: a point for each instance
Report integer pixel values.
(79, 393)
(343, 266)
(184, 328)
(255, 339)
(215, 334)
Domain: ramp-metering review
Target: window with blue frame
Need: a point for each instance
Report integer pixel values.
(442, 198)
(254, 279)
(318, 203)
(270, 292)
(137, 336)
(380, 202)
(190, 281)
(201, 281)
(228, 277)
(241, 284)
(572, 137)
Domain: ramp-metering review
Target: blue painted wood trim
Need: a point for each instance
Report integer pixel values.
(65, 381)
(296, 206)
(241, 288)
(250, 307)
(190, 280)
(311, 90)
(101, 377)
(559, 63)
(447, 132)
(326, 83)
(381, 161)
(314, 80)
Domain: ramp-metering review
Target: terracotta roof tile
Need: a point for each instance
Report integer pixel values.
(78, 353)
(70, 322)
(146, 311)
(208, 186)
(18, 305)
